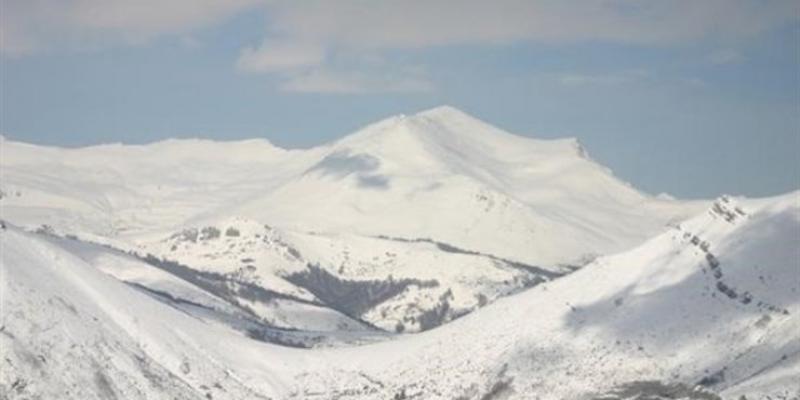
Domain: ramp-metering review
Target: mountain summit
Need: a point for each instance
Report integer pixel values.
(189, 268)
(444, 175)
(440, 174)
(449, 133)
(403, 225)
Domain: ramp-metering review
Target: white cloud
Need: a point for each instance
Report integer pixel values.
(28, 26)
(349, 82)
(315, 31)
(305, 41)
(276, 56)
(421, 23)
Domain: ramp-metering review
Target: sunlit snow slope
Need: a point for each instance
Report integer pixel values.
(431, 215)
(439, 174)
(712, 301)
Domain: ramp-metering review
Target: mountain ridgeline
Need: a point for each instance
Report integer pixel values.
(424, 256)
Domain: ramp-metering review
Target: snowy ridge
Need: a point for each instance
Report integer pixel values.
(478, 181)
(425, 256)
(82, 334)
(392, 283)
(441, 212)
(595, 328)
(643, 321)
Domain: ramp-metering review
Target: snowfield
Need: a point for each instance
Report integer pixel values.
(433, 215)
(429, 256)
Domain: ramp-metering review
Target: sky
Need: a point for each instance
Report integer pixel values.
(694, 98)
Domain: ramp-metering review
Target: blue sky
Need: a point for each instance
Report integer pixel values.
(692, 98)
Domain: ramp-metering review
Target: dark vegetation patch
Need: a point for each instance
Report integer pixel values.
(655, 390)
(209, 232)
(187, 235)
(231, 288)
(448, 248)
(224, 286)
(438, 315)
(232, 232)
(351, 297)
(168, 297)
(252, 326)
(284, 337)
(713, 379)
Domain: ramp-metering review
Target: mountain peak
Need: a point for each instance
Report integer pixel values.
(443, 123)
(443, 111)
(450, 116)
(449, 132)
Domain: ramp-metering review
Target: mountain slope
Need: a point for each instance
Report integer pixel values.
(713, 300)
(660, 317)
(403, 225)
(446, 176)
(392, 283)
(70, 331)
(439, 174)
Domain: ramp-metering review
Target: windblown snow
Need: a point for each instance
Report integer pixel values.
(427, 256)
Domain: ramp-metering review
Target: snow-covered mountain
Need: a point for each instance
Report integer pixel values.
(439, 174)
(706, 309)
(423, 256)
(433, 215)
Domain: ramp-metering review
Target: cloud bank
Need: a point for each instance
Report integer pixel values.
(28, 27)
(326, 46)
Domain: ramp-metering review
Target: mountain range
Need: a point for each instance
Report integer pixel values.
(423, 256)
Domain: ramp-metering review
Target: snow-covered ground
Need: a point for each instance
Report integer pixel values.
(439, 174)
(197, 269)
(713, 300)
(438, 213)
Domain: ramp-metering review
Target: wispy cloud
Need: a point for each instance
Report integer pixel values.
(31, 26)
(309, 68)
(28, 25)
(416, 23)
(274, 56)
(304, 40)
(350, 82)
(314, 32)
